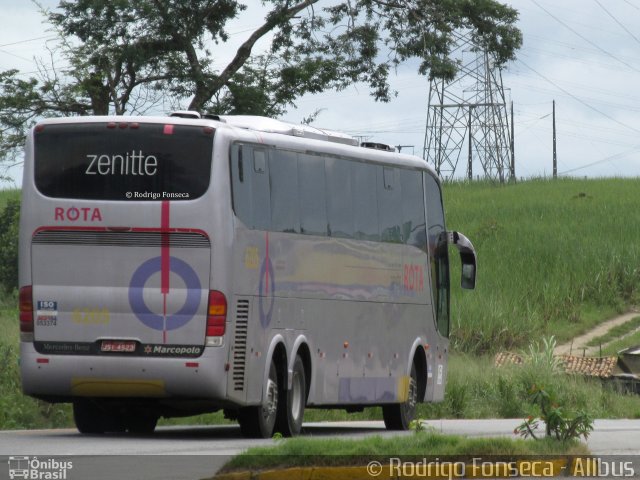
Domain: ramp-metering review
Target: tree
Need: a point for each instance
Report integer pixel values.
(125, 56)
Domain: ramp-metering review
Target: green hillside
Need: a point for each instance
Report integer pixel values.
(554, 257)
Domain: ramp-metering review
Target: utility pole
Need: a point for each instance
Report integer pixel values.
(513, 151)
(555, 157)
(470, 159)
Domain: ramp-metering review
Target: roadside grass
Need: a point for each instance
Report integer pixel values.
(477, 389)
(614, 347)
(300, 452)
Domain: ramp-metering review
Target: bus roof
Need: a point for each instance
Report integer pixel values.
(330, 141)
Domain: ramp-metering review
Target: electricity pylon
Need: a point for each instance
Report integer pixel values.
(470, 111)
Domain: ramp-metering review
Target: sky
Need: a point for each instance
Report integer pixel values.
(582, 54)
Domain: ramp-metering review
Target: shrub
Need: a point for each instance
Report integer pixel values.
(9, 220)
(556, 422)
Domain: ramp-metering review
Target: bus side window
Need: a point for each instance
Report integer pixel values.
(339, 204)
(389, 205)
(365, 202)
(283, 178)
(260, 195)
(312, 188)
(250, 186)
(413, 215)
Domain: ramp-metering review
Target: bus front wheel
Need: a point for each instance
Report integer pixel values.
(398, 416)
(259, 421)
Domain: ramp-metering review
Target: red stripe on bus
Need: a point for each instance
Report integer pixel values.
(46, 228)
(165, 253)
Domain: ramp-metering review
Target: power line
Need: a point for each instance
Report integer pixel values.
(629, 107)
(609, 54)
(603, 160)
(590, 61)
(617, 21)
(578, 99)
(28, 40)
(17, 56)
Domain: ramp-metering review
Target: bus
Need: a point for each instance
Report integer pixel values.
(18, 467)
(176, 265)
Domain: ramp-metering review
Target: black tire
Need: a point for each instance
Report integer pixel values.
(291, 411)
(141, 424)
(89, 417)
(259, 421)
(398, 416)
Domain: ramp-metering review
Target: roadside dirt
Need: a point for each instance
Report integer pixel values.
(578, 346)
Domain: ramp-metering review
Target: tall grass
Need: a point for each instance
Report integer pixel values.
(554, 257)
(17, 410)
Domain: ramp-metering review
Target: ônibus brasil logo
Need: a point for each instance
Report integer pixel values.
(36, 469)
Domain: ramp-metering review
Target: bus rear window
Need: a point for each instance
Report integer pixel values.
(123, 161)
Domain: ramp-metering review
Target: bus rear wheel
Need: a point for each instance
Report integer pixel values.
(89, 417)
(398, 416)
(259, 421)
(292, 410)
(92, 417)
(97, 417)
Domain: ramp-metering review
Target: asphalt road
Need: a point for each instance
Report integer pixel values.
(198, 452)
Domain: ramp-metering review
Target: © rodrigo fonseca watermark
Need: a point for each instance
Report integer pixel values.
(156, 195)
(481, 468)
(33, 468)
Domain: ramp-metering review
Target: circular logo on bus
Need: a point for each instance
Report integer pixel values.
(266, 292)
(156, 320)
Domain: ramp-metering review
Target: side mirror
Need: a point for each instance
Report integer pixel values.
(467, 257)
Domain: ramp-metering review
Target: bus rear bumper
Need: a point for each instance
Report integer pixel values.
(68, 376)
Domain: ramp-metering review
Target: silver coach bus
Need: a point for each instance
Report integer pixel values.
(171, 266)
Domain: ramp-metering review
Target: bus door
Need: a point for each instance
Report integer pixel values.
(439, 259)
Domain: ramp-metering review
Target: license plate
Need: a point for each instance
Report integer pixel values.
(118, 346)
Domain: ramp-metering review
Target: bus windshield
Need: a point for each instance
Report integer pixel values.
(123, 161)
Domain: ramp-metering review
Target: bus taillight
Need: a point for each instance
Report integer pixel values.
(26, 309)
(216, 315)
